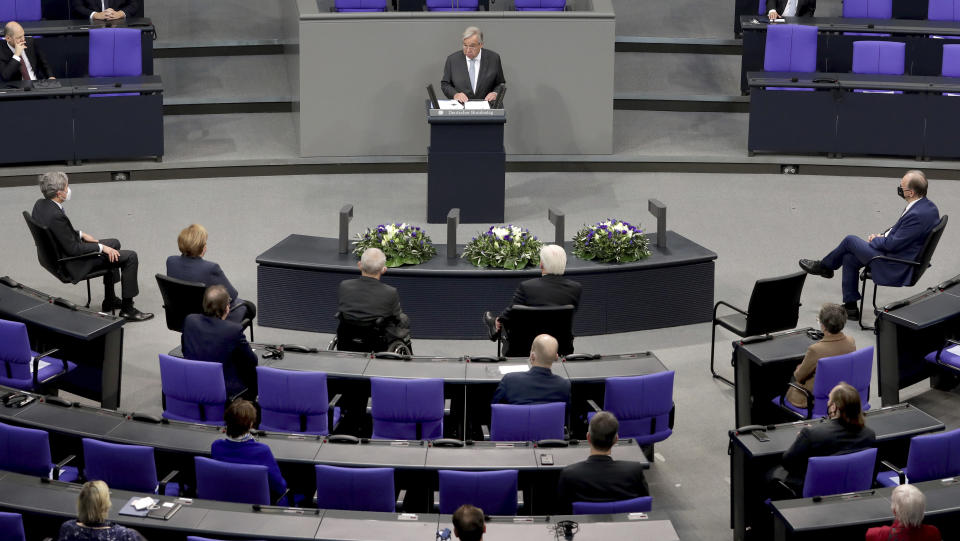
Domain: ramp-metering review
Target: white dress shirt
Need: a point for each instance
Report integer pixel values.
(25, 60)
(473, 83)
(791, 9)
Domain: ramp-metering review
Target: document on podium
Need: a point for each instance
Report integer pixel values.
(456, 105)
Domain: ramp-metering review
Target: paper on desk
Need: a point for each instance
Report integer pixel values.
(477, 104)
(513, 368)
(954, 349)
(40, 365)
(449, 104)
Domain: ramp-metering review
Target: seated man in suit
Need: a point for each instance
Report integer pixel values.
(105, 10)
(211, 337)
(845, 432)
(367, 298)
(473, 73)
(904, 240)
(600, 478)
(123, 264)
(551, 289)
(468, 523)
(191, 266)
(20, 60)
(539, 385)
(790, 8)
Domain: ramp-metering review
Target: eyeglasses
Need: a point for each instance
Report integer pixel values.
(472, 47)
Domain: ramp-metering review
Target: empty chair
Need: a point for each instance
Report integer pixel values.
(115, 52)
(23, 368)
(790, 47)
(493, 491)
(540, 5)
(55, 261)
(933, 456)
(355, 489)
(292, 401)
(943, 10)
(528, 322)
(878, 57)
(192, 391)
(20, 10)
(951, 60)
(409, 409)
(229, 482)
(945, 357)
(359, 6)
(643, 405)
(11, 527)
(182, 298)
(27, 451)
(453, 5)
(774, 306)
(839, 474)
(854, 368)
(528, 422)
(868, 9)
(125, 467)
(633, 505)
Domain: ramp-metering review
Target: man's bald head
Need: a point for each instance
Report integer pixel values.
(13, 32)
(543, 351)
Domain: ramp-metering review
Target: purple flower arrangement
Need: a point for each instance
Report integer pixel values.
(403, 244)
(504, 246)
(611, 241)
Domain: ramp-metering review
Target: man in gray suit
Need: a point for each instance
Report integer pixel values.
(473, 73)
(367, 298)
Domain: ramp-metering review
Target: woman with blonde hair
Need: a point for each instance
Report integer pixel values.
(91, 524)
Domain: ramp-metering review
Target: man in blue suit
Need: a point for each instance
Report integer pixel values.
(211, 337)
(539, 385)
(903, 241)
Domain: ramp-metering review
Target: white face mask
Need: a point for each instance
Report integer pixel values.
(67, 198)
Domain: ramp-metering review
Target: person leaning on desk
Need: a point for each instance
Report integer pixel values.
(19, 59)
(473, 73)
(832, 318)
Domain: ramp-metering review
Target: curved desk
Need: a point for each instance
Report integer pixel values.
(297, 281)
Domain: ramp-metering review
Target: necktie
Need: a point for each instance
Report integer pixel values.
(791, 9)
(473, 74)
(24, 73)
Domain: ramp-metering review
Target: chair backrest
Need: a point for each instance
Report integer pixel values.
(540, 5)
(410, 409)
(536, 422)
(642, 405)
(292, 401)
(25, 450)
(791, 47)
(493, 491)
(943, 10)
(193, 391)
(879, 57)
(48, 251)
(951, 60)
(115, 52)
(775, 304)
(839, 474)
(355, 489)
(854, 368)
(180, 299)
(15, 353)
(230, 482)
(11, 527)
(126, 467)
(934, 456)
(453, 5)
(361, 336)
(528, 322)
(20, 10)
(348, 6)
(926, 254)
(633, 505)
(868, 9)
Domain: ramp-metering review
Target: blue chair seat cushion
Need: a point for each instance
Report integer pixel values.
(54, 368)
(890, 478)
(69, 474)
(947, 357)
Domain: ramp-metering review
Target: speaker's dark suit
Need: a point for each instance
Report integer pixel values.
(83, 8)
(457, 79)
(600, 478)
(805, 8)
(48, 214)
(823, 439)
(366, 299)
(197, 269)
(547, 290)
(212, 339)
(536, 386)
(10, 68)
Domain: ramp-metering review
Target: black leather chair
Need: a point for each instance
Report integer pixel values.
(367, 337)
(919, 266)
(774, 306)
(527, 322)
(182, 298)
(53, 259)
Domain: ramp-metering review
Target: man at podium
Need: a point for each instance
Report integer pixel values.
(473, 73)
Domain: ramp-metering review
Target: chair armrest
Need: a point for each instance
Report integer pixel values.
(162, 485)
(281, 497)
(78, 257)
(806, 393)
(369, 405)
(593, 405)
(330, 407)
(400, 497)
(900, 473)
(486, 432)
(237, 395)
(436, 501)
(787, 489)
(247, 324)
(673, 415)
(728, 305)
(891, 259)
(334, 401)
(59, 466)
(519, 499)
(447, 402)
(36, 365)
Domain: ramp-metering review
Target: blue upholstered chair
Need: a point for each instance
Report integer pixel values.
(791, 47)
(943, 10)
(229, 482)
(839, 474)
(125, 467)
(293, 401)
(20, 10)
(11, 527)
(540, 5)
(115, 52)
(453, 5)
(854, 368)
(944, 356)
(951, 60)
(536, 422)
(20, 366)
(933, 456)
(359, 6)
(407, 409)
(27, 451)
(868, 9)
(493, 491)
(193, 391)
(356, 489)
(633, 505)
(643, 405)
(878, 57)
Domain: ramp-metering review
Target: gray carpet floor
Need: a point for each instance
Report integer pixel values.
(759, 225)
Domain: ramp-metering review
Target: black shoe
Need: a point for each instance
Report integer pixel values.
(853, 312)
(490, 321)
(132, 314)
(109, 305)
(813, 266)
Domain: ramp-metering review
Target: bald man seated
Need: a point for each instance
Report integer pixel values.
(539, 385)
(19, 59)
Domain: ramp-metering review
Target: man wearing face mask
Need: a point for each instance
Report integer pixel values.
(123, 264)
(19, 59)
(902, 241)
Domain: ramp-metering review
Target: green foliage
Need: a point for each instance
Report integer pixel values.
(611, 241)
(403, 244)
(505, 247)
